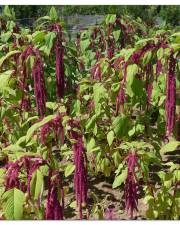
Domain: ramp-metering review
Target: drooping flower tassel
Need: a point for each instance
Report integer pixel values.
(80, 161)
(12, 179)
(39, 85)
(131, 186)
(55, 198)
(59, 52)
(170, 105)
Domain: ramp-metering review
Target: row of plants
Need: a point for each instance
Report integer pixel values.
(105, 104)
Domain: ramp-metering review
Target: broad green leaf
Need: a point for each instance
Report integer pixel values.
(105, 167)
(160, 53)
(9, 54)
(120, 167)
(49, 41)
(99, 93)
(38, 36)
(30, 119)
(132, 131)
(76, 108)
(5, 36)
(13, 148)
(90, 144)
(4, 80)
(110, 137)
(36, 126)
(73, 205)
(36, 184)
(69, 170)
(121, 125)
(12, 202)
(117, 158)
(7, 11)
(110, 19)
(116, 34)
(91, 123)
(120, 178)
(84, 44)
(53, 14)
(51, 105)
(170, 147)
(131, 72)
(175, 34)
(147, 57)
(161, 100)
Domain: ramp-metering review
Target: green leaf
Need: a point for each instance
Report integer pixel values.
(120, 179)
(38, 36)
(99, 93)
(4, 80)
(110, 137)
(110, 19)
(131, 72)
(51, 105)
(49, 41)
(161, 100)
(5, 36)
(69, 169)
(7, 11)
(73, 205)
(160, 53)
(91, 123)
(117, 158)
(119, 169)
(84, 44)
(13, 148)
(90, 144)
(105, 167)
(132, 131)
(53, 14)
(121, 125)
(37, 184)
(13, 201)
(9, 54)
(76, 107)
(36, 126)
(116, 34)
(170, 147)
(147, 57)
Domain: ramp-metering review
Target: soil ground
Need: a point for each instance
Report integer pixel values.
(102, 188)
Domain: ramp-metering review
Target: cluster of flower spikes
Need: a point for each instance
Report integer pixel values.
(124, 31)
(80, 161)
(131, 185)
(59, 52)
(39, 82)
(98, 43)
(56, 126)
(55, 197)
(170, 103)
(135, 58)
(30, 164)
